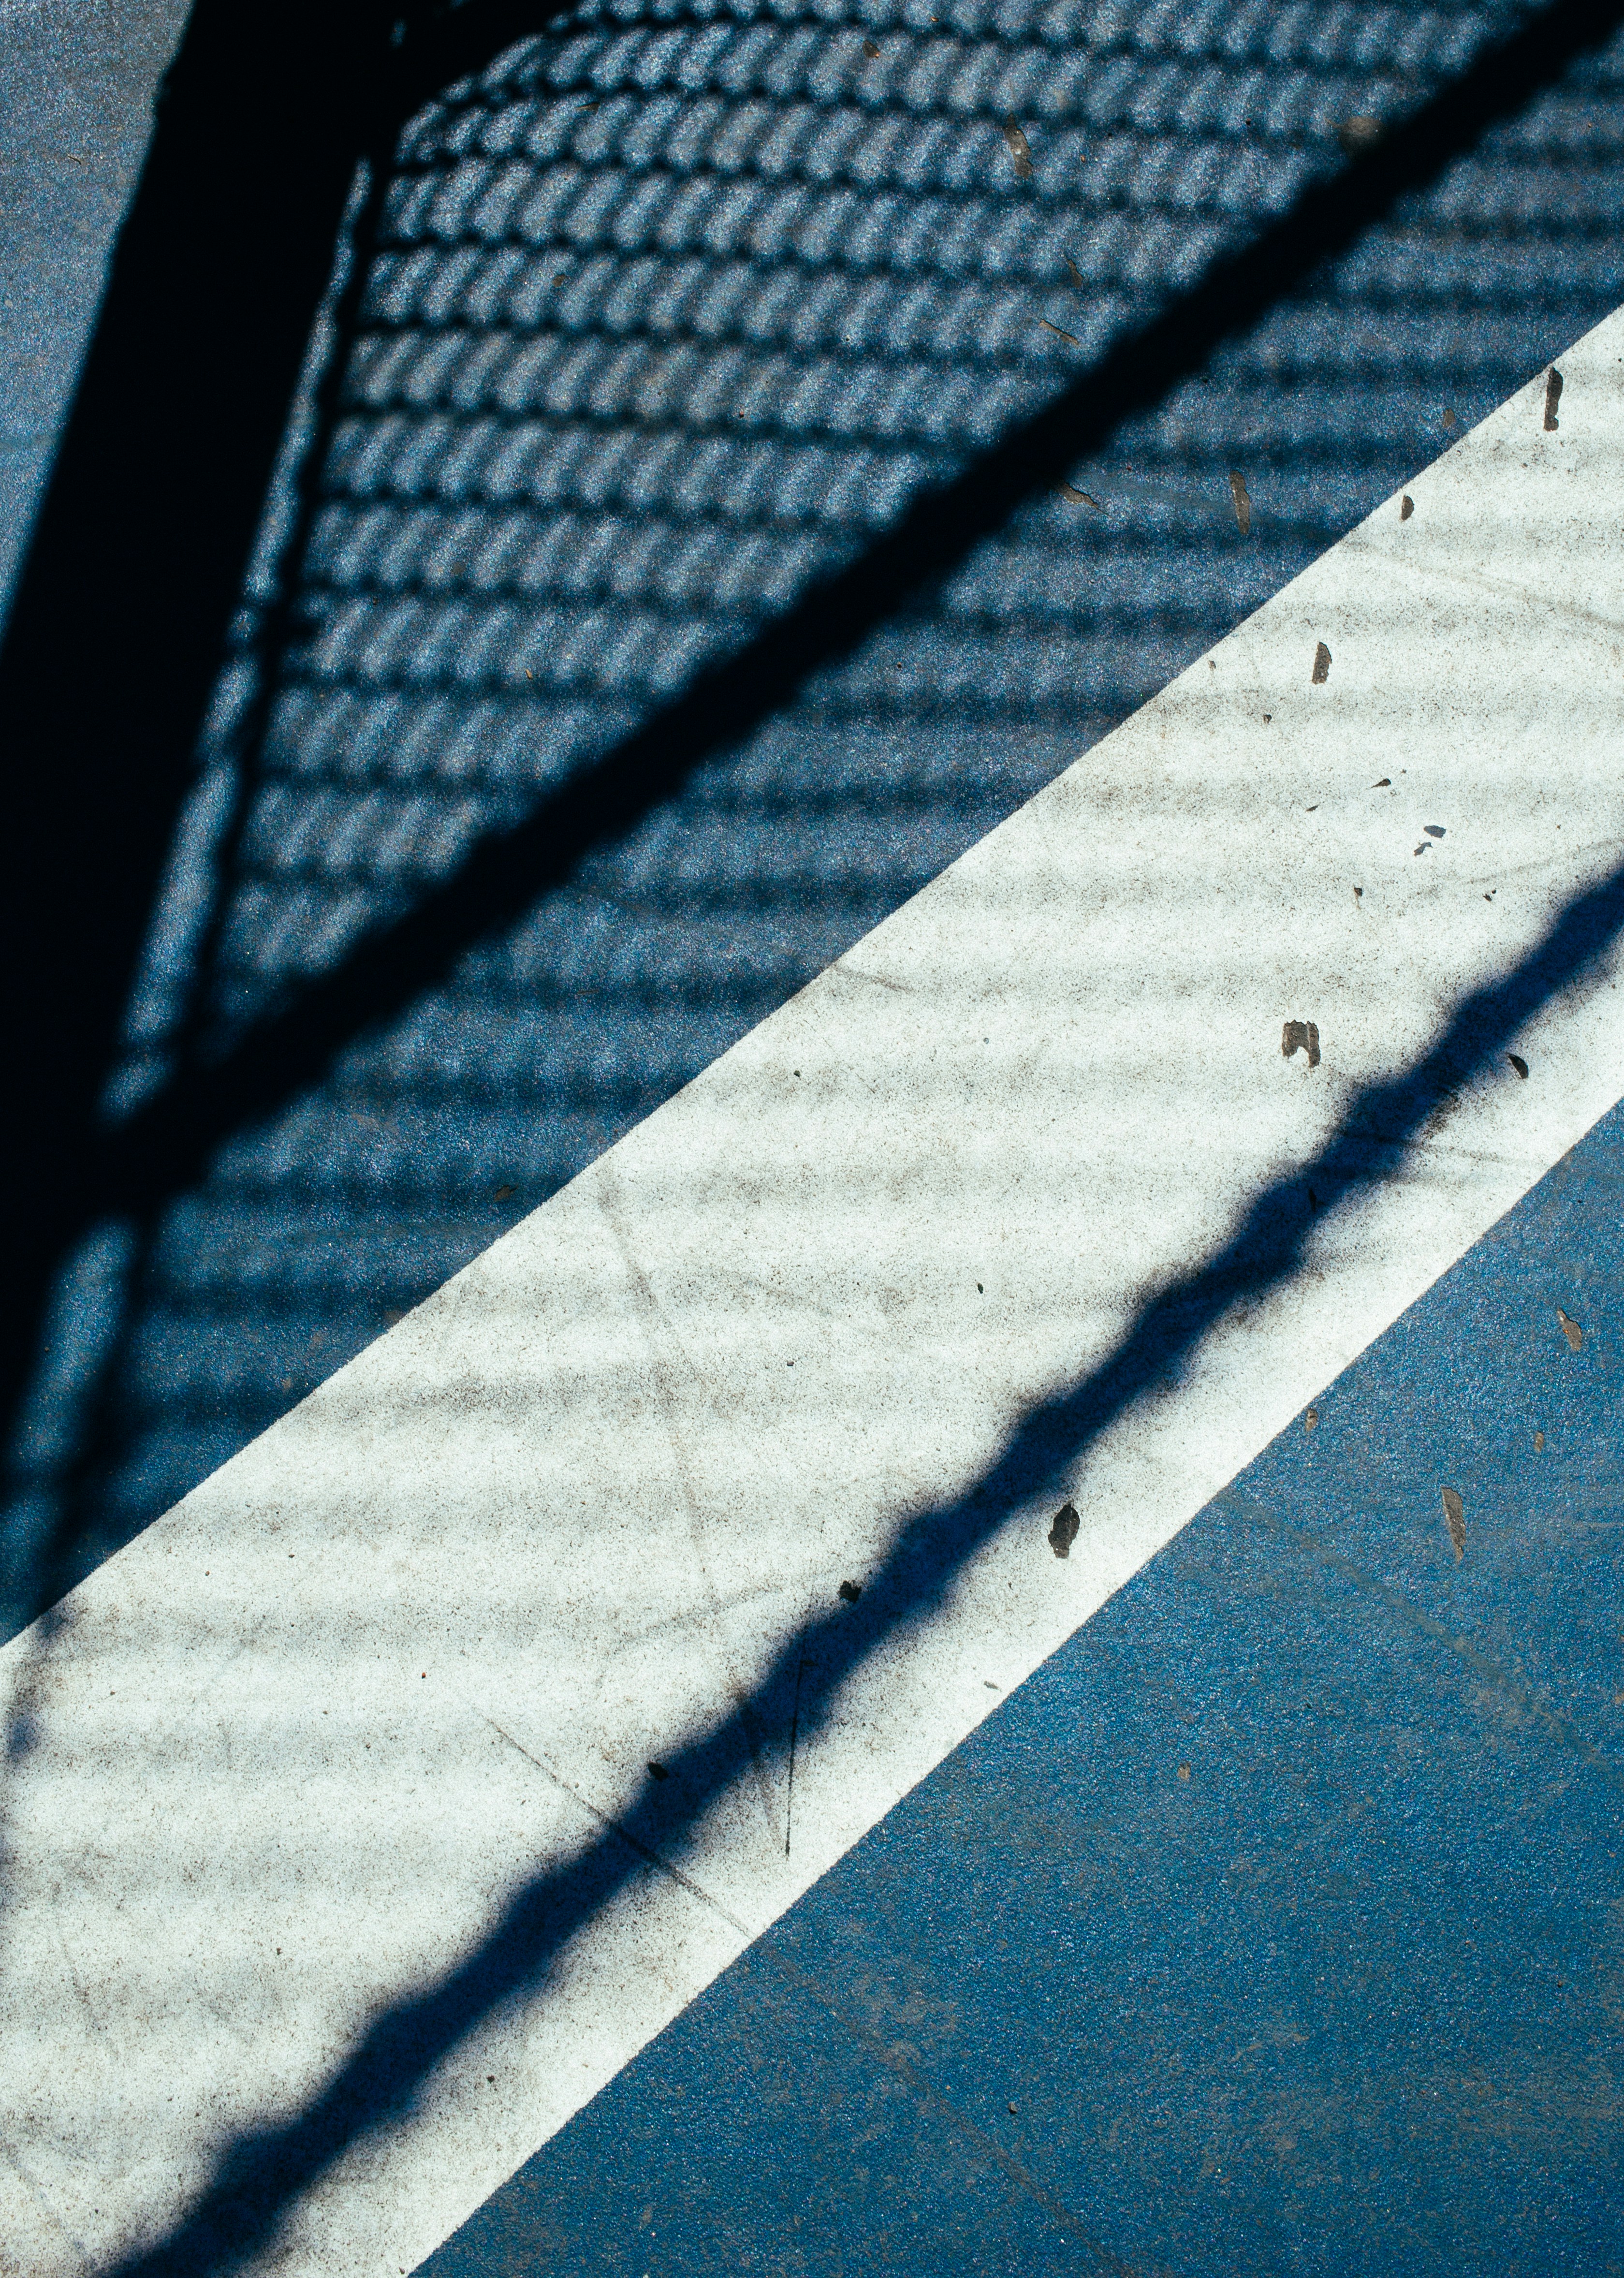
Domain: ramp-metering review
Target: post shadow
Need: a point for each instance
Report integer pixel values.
(258, 2174)
(136, 565)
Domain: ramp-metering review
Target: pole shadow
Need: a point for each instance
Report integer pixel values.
(135, 570)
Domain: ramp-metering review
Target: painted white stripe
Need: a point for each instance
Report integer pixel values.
(301, 1742)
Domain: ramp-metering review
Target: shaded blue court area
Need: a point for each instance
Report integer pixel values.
(1273, 1925)
(567, 377)
(447, 423)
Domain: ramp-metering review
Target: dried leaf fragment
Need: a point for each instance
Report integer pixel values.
(1539, 1443)
(1406, 506)
(1080, 497)
(1064, 1532)
(1302, 1036)
(502, 1194)
(1554, 396)
(1310, 1419)
(1359, 133)
(850, 1592)
(1519, 1064)
(1020, 149)
(871, 48)
(1077, 274)
(1454, 1519)
(1054, 328)
(1242, 504)
(1571, 1330)
(1321, 665)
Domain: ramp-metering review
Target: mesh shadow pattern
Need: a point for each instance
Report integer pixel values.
(658, 318)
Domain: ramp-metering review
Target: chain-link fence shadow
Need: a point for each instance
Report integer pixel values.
(649, 325)
(652, 323)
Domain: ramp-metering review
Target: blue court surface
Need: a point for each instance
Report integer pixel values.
(568, 573)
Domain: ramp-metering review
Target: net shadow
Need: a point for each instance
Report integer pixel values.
(669, 577)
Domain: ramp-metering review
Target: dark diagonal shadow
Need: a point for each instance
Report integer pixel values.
(137, 557)
(259, 2177)
(136, 569)
(166, 1146)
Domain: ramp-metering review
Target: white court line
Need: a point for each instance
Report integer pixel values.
(301, 1740)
